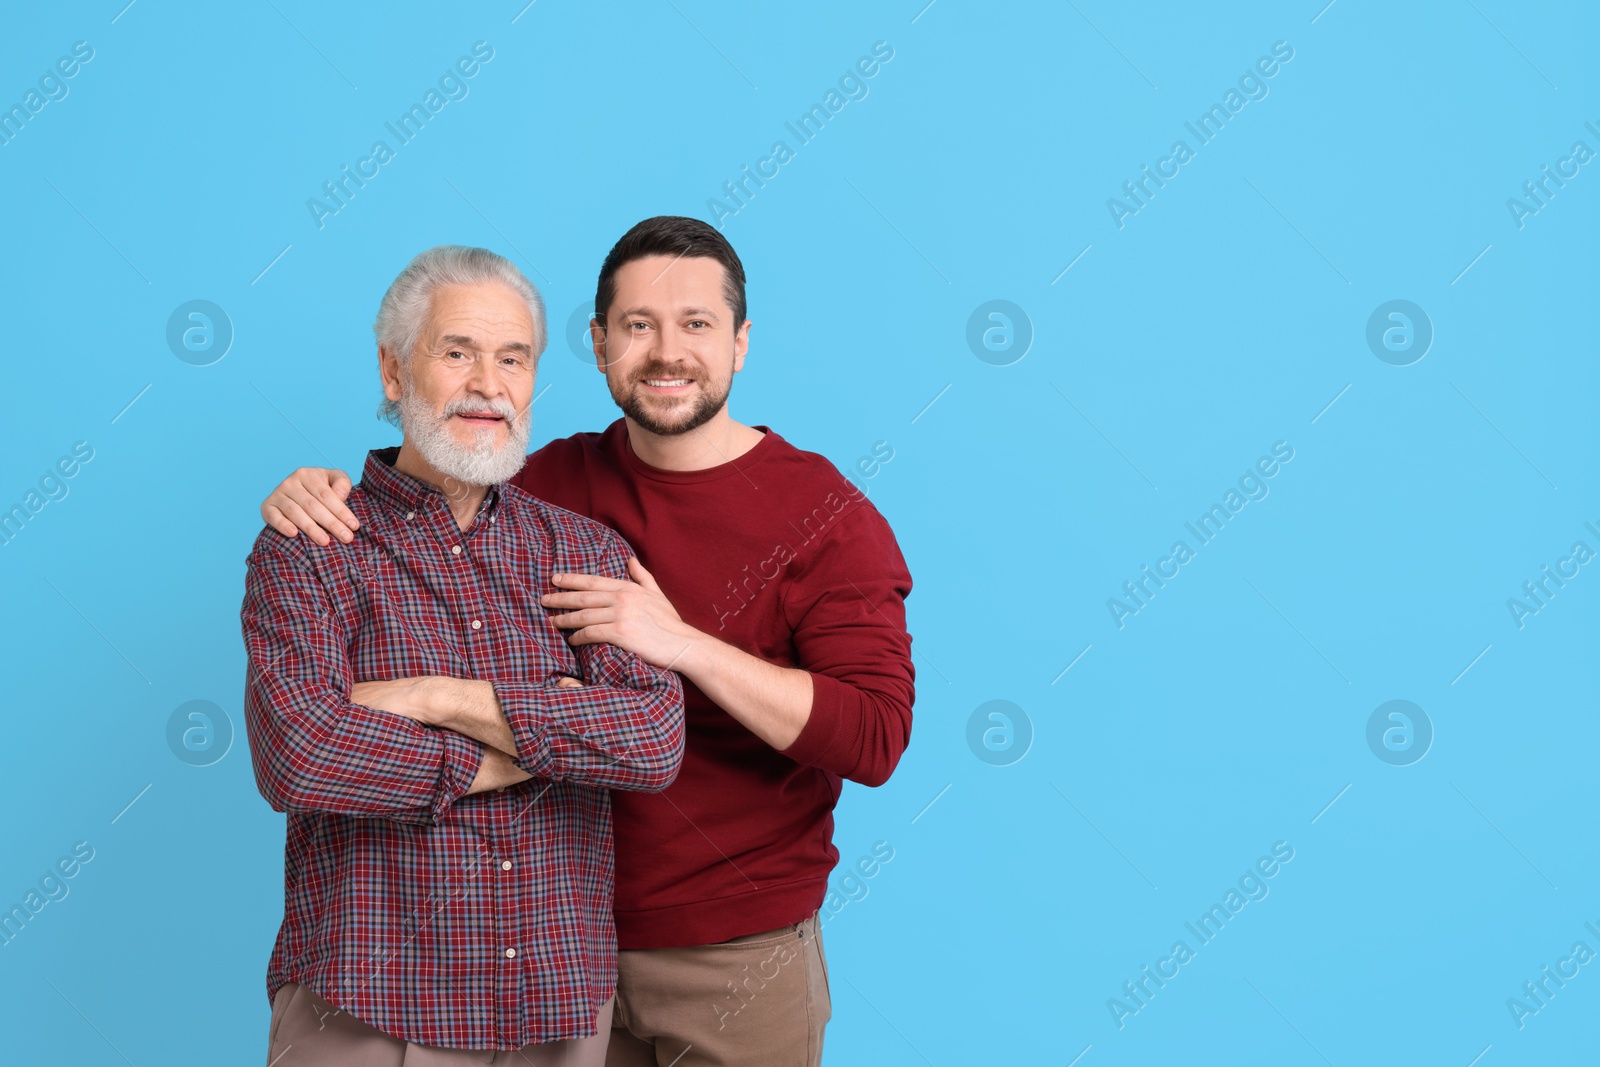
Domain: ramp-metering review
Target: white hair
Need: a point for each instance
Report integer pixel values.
(406, 305)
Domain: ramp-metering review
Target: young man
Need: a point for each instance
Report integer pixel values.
(447, 876)
(777, 591)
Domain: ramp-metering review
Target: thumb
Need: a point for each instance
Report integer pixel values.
(340, 483)
(637, 572)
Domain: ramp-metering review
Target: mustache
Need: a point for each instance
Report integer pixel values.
(658, 371)
(501, 407)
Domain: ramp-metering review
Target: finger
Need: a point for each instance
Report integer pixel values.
(331, 499)
(568, 682)
(578, 600)
(341, 483)
(642, 576)
(301, 521)
(320, 513)
(586, 617)
(333, 492)
(591, 635)
(278, 520)
(586, 581)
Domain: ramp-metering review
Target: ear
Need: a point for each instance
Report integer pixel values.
(741, 345)
(597, 341)
(389, 371)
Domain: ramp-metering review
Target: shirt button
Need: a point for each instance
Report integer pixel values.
(411, 514)
(505, 865)
(455, 550)
(476, 625)
(511, 953)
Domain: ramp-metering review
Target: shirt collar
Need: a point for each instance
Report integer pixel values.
(381, 480)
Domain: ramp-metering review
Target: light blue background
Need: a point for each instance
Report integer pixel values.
(1223, 317)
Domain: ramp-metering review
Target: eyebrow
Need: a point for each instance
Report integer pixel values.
(467, 342)
(699, 313)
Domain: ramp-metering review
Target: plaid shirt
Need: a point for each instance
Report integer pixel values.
(479, 921)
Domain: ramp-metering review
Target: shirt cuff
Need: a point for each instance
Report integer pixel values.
(526, 713)
(462, 756)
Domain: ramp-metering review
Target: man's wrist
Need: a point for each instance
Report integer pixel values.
(424, 700)
(448, 703)
(700, 655)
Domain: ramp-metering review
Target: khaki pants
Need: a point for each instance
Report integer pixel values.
(307, 1031)
(761, 999)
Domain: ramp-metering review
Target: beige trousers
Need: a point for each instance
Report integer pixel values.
(307, 1031)
(761, 999)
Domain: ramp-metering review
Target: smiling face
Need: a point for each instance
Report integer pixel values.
(465, 393)
(670, 346)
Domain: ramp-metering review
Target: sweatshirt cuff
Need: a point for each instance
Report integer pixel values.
(821, 732)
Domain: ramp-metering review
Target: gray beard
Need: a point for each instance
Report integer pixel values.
(475, 465)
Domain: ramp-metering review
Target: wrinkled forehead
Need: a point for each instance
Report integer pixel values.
(486, 316)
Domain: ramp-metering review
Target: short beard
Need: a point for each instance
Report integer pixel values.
(478, 465)
(632, 404)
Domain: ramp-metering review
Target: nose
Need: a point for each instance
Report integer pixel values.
(485, 378)
(668, 346)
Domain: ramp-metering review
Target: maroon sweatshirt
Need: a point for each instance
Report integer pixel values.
(779, 555)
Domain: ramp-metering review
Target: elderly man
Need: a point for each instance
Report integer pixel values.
(443, 755)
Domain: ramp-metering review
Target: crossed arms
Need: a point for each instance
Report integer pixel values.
(408, 749)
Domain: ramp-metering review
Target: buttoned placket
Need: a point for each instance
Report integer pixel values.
(465, 551)
(478, 548)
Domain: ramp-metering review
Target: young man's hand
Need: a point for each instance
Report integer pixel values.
(311, 501)
(635, 616)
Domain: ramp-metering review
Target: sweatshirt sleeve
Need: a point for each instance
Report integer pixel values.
(846, 606)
